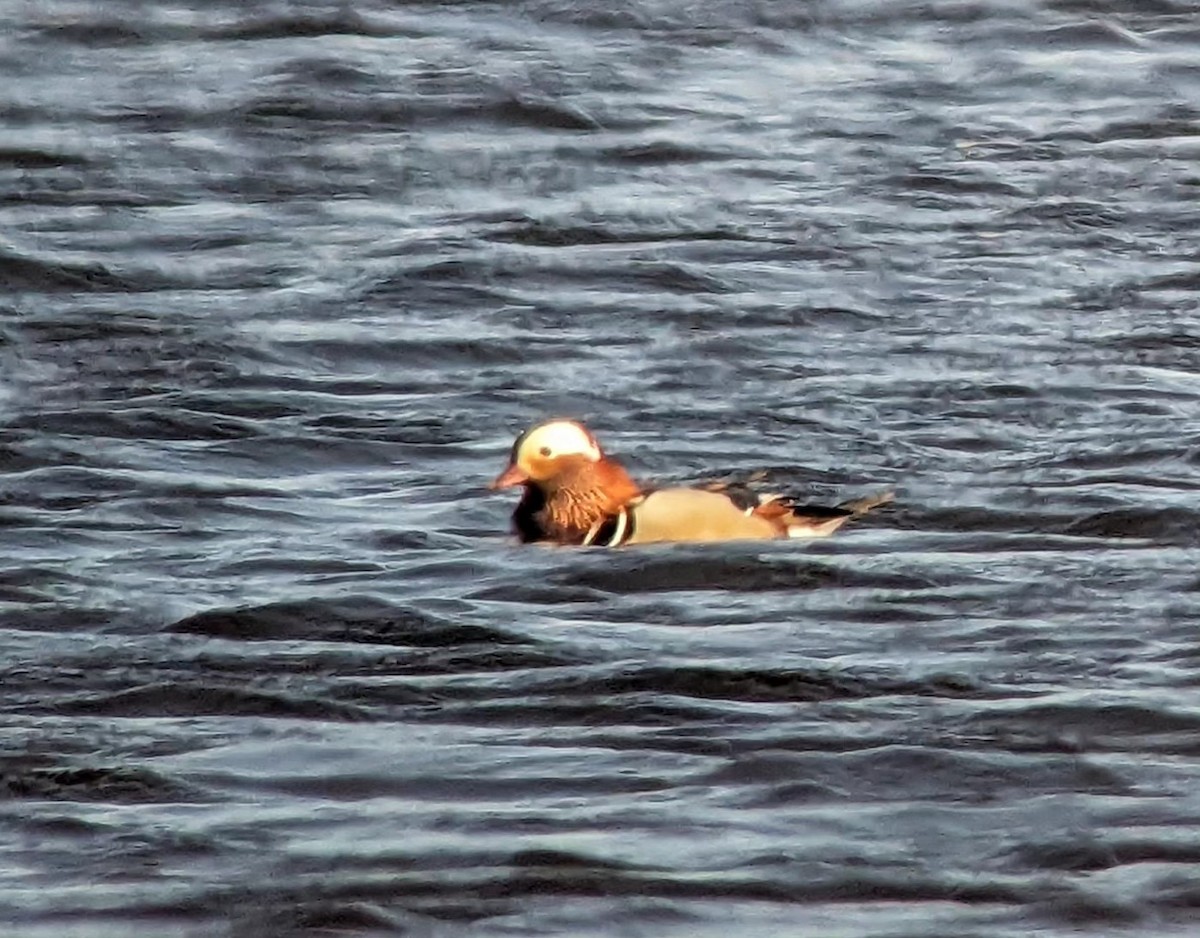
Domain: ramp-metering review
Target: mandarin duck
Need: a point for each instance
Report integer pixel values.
(576, 494)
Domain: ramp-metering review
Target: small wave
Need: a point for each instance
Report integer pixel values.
(951, 183)
(907, 773)
(1160, 525)
(20, 273)
(107, 33)
(343, 21)
(350, 620)
(668, 571)
(663, 153)
(1080, 853)
(760, 686)
(29, 158)
(175, 699)
(1087, 726)
(544, 113)
(570, 233)
(304, 915)
(1076, 214)
(108, 784)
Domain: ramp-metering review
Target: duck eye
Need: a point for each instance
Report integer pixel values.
(545, 451)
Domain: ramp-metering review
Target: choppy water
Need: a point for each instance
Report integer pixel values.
(282, 281)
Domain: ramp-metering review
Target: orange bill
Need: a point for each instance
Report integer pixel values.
(511, 476)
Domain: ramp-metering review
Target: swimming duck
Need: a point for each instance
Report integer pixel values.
(576, 494)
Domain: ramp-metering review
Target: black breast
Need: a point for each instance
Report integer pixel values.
(526, 519)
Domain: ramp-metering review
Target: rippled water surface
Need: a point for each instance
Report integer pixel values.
(281, 282)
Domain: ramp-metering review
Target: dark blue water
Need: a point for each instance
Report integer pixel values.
(279, 284)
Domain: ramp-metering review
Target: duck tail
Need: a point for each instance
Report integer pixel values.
(819, 521)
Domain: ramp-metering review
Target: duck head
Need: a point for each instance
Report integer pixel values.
(547, 451)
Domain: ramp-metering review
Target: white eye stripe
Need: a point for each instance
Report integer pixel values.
(561, 438)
